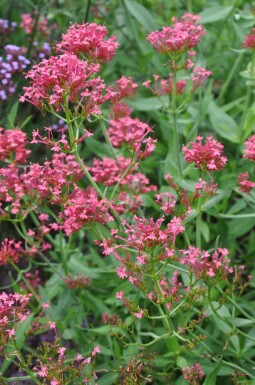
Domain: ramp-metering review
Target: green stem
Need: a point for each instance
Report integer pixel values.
(231, 74)
(106, 136)
(174, 115)
(172, 343)
(122, 177)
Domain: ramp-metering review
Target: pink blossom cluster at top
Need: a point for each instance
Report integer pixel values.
(249, 41)
(182, 36)
(62, 79)
(88, 39)
(13, 309)
(134, 132)
(13, 145)
(207, 156)
(202, 263)
(193, 374)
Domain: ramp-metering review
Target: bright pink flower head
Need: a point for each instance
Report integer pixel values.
(59, 78)
(249, 150)
(207, 156)
(135, 133)
(13, 145)
(245, 184)
(249, 41)
(84, 207)
(123, 87)
(182, 36)
(90, 39)
(203, 264)
(144, 234)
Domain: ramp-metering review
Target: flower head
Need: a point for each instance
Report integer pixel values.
(65, 79)
(249, 150)
(249, 41)
(207, 156)
(182, 36)
(90, 39)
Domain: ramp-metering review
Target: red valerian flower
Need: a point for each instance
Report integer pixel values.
(249, 41)
(182, 36)
(193, 374)
(208, 156)
(88, 38)
(134, 132)
(65, 79)
(249, 150)
(13, 145)
(245, 184)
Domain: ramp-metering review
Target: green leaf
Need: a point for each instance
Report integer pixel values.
(12, 116)
(212, 202)
(205, 230)
(212, 377)
(215, 13)
(149, 104)
(223, 124)
(22, 329)
(141, 14)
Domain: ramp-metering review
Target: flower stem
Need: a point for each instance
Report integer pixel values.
(174, 116)
(106, 136)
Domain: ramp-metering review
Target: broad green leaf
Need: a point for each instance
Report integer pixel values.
(205, 230)
(212, 377)
(212, 202)
(141, 14)
(12, 116)
(149, 104)
(215, 13)
(222, 123)
(240, 226)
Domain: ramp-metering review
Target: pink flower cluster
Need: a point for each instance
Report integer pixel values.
(50, 179)
(134, 132)
(63, 80)
(245, 184)
(182, 36)
(145, 234)
(13, 145)
(109, 171)
(203, 264)
(55, 368)
(249, 150)
(249, 41)
(11, 251)
(28, 22)
(88, 39)
(84, 208)
(13, 309)
(207, 156)
(193, 374)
